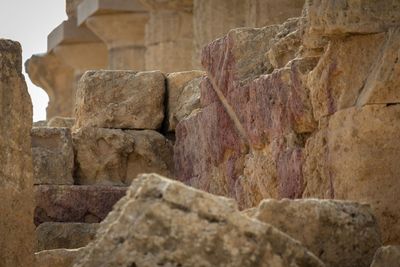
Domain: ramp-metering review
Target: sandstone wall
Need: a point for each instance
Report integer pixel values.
(16, 179)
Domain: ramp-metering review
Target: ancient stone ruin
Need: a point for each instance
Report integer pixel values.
(206, 133)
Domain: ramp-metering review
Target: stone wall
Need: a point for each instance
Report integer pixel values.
(16, 178)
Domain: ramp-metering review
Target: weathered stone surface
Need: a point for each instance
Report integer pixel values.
(341, 17)
(71, 6)
(39, 124)
(340, 233)
(182, 5)
(335, 85)
(212, 20)
(51, 235)
(63, 122)
(183, 95)
(53, 75)
(16, 172)
(120, 99)
(267, 109)
(268, 12)
(161, 222)
(112, 156)
(56, 257)
(387, 257)
(354, 156)
(65, 203)
(53, 156)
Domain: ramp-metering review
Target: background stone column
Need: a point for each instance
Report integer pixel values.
(55, 77)
(79, 48)
(120, 24)
(169, 35)
(268, 12)
(16, 178)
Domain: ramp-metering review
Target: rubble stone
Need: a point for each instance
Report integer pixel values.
(387, 257)
(120, 99)
(340, 233)
(162, 222)
(53, 156)
(62, 122)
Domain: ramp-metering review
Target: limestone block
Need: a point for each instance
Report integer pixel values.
(71, 7)
(330, 18)
(52, 235)
(387, 257)
(183, 95)
(112, 156)
(335, 84)
(71, 203)
(120, 99)
(181, 226)
(63, 122)
(16, 172)
(39, 124)
(56, 257)
(268, 12)
(53, 75)
(181, 5)
(340, 233)
(354, 156)
(53, 156)
(213, 19)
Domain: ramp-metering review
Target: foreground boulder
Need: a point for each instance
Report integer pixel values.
(165, 223)
(340, 233)
(16, 172)
(387, 257)
(120, 99)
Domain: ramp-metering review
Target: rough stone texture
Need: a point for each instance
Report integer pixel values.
(268, 12)
(183, 95)
(354, 156)
(213, 19)
(64, 203)
(39, 124)
(53, 156)
(161, 222)
(329, 18)
(116, 157)
(341, 234)
(61, 122)
(16, 172)
(182, 5)
(120, 99)
(387, 257)
(70, 7)
(56, 257)
(51, 235)
(268, 110)
(54, 76)
(334, 84)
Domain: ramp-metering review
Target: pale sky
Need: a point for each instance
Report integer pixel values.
(29, 22)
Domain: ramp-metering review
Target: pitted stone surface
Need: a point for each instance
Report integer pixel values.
(163, 222)
(16, 172)
(120, 99)
(116, 157)
(387, 257)
(53, 156)
(340, 233)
